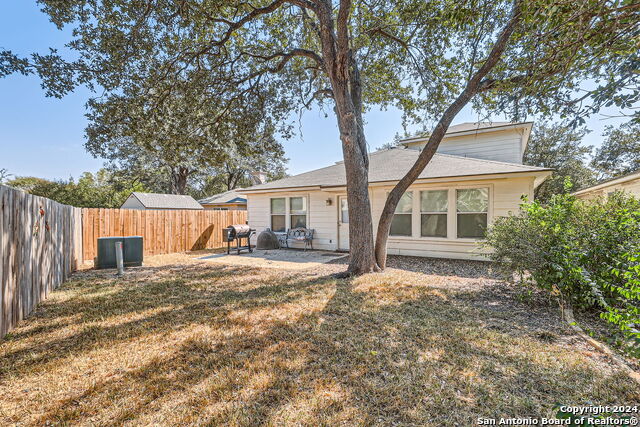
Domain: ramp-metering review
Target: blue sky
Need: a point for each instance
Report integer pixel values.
(44, 137)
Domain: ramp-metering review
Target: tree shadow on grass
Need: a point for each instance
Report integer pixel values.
(139, 309)
(282, 348)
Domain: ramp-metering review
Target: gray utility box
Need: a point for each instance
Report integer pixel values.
(132, 249)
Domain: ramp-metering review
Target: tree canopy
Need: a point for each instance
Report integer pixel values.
(430, 59)
(166, 137)
(619, 153)
(559, 147)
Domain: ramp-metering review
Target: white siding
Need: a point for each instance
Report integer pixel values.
(502, 146)
(322, 218)
(504, 198)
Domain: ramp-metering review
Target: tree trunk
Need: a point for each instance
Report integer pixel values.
(473, 86)
(356, 164)
(342, 70)
(179, 177)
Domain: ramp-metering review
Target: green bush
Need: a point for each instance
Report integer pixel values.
(586, 253)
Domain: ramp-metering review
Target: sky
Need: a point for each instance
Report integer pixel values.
(44, 137)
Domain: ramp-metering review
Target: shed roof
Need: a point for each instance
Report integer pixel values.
(166, 201)
(230, 197)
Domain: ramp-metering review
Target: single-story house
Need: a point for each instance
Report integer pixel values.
(231, 200)
(629, 183)
(476, 176)
(139, 200)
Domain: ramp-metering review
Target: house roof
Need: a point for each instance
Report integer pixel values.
(462, 128)
(227, 198)
(611, 181)
(166, 201)
(392, 164)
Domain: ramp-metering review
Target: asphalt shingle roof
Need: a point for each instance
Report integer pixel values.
(167, 201)
(228, 197)
(392, 164)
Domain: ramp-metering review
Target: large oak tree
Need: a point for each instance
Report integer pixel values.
(429, 58)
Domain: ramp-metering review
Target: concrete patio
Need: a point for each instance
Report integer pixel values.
(288, 259)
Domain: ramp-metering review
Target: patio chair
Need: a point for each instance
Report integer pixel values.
(301, 234)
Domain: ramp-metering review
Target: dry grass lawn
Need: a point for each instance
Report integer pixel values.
(182, 341)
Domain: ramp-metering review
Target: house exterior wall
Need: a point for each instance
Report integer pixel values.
(322, 218)
(504, 197)
(501, 145)
(631, 187)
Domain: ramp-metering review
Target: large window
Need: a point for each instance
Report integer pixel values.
(278, 214)
(401, 223)
(344, 211)
(433, 213)
(298, 212)
(472, 206)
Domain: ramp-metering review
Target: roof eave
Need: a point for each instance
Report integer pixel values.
(605, 184)
(546, 172)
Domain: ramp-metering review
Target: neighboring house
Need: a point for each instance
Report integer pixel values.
(227, 201)
(476, 176)
(160, 201)
(629, 183)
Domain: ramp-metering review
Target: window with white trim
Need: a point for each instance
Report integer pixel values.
(401, 222)
(278, 214)
(298, 212)
(472, 206)
(434, 205)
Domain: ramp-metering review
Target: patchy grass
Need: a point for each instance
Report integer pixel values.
(185, 342)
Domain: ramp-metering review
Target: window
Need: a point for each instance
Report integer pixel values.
(401, 222)
(433, 213)
(298, 212)
(344, 211)
(278, 214)
(472, 207)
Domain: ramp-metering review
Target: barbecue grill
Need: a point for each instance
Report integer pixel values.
(237, 233)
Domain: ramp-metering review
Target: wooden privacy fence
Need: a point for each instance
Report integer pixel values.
(42, 242)
(163, 231)
(40, 245)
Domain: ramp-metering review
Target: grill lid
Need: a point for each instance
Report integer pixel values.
(240, 229)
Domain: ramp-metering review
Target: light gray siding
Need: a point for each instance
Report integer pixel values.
(502, 146)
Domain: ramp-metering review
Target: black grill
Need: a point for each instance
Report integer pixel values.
(238, 232)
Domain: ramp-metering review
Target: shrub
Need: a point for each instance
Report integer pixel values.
(585, 252)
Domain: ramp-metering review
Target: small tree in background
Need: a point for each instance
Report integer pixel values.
(620, 151)
(4, 175)
(99, 190)
(559, 147)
